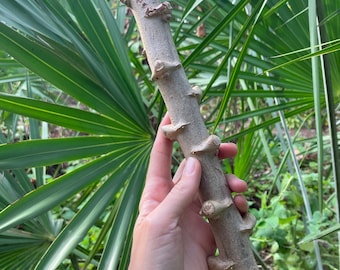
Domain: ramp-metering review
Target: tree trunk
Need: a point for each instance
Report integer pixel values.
(231, 231)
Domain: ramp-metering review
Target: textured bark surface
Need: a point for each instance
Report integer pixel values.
(231, 231)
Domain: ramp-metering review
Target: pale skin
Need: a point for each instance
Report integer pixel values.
(169, 232)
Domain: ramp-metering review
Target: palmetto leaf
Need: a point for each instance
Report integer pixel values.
(86, 50)
(90, 82)
(87, 216)
(72, 118)
(36, 153)
(47, 196)
(85, 56)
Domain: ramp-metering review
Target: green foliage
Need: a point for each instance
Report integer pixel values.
(78, 112)
(281, 225)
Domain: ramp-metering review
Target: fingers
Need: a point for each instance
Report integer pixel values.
(162, 149)
(237, 185)
(241, 204)
(227, 150)
(161, 154)
(158, 180)
(179, 172)
(159, 188)
(183, 192)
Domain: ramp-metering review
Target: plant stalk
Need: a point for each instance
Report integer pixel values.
(231, 231)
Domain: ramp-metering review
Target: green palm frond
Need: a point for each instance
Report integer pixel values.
(85, 56)
(78, 65)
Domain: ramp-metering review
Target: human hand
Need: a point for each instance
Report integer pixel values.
(169, 232)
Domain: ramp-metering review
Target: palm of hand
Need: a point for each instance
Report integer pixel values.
(169, 232)
(181, 243)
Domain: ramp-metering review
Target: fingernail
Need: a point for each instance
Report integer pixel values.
(189, 166)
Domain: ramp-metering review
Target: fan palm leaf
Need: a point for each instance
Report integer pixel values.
(83, 73)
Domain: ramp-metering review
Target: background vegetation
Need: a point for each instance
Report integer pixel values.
(78, 114)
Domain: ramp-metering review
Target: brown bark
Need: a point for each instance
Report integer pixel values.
(231, 231)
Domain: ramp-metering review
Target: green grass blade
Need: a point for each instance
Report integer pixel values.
(315, 236)
(302, 186)
(317, 97)
(330, 76)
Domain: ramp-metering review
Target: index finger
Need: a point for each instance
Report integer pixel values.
(160, 157)
(227, 150)
(158, 180)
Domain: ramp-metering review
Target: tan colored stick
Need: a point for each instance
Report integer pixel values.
(230, 230)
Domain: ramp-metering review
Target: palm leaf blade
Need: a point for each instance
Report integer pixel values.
(48, 196)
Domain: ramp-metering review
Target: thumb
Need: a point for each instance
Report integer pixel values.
(183, 192)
